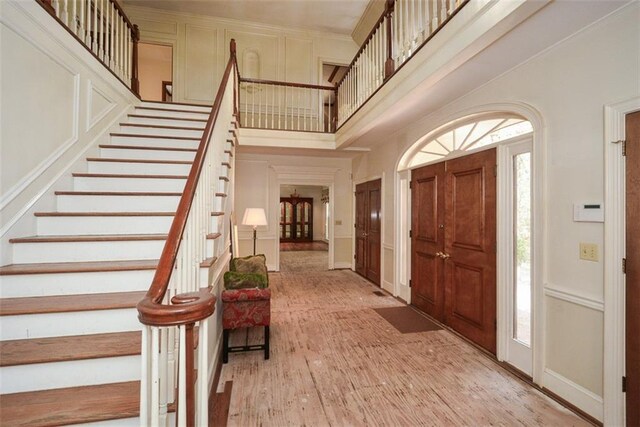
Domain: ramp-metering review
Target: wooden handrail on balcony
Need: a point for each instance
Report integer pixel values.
(104, 29)
(404, 27)
(277, 105)
(185, 309)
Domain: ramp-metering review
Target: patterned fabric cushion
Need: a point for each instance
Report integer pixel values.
(251, 264)
(243, 308)
(235, 280)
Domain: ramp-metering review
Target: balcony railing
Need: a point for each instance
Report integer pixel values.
(404, 27)
(104, 29)
(267, 104)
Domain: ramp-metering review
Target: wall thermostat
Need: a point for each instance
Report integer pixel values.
(588, 212)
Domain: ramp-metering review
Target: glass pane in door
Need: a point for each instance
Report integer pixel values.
(522, 238)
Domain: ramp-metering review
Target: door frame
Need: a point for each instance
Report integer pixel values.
(402, 217)
(383, 284)
(614, 243)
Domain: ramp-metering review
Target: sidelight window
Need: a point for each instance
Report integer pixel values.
(522, 248)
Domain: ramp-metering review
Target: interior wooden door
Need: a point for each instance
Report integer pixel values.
(470, 247)
(453, 264)
(296, 219)
(374, 228)
(427, 239)
(368, 229)
(632, 297)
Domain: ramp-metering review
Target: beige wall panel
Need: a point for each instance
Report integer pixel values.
(299, 60)
(30, 98)
(343, 251)
(575, 343)
(201, 77)
(156, 28)
(266, 46)
(388, 263)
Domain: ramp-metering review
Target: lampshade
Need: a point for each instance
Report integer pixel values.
(254, 217)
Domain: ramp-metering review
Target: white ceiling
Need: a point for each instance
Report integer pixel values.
(335, 16)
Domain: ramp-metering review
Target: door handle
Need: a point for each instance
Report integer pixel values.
(443, 255)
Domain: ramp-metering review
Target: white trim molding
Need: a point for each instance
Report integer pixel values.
(614, 251)
(585, 399)
(573, 297)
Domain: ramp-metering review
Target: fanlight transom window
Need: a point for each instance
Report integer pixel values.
(468, 137)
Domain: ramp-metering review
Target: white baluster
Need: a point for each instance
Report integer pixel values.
(443, 11)
(202, 405)
(95, 27)
(83, 25)
(112, 38)
(145, 376)
(155, 376)
(182, 380)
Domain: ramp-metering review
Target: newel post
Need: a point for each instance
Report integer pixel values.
(135, 83)
(236, 87)
(389, 66)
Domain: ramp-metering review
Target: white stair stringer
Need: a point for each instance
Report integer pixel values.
(118, 210)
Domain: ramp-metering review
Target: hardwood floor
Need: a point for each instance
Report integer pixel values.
(335, 361)
(304, 246)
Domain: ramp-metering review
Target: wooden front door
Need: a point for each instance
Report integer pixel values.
(368, 229)
(632, 297)
(454, 244)
(427, 239)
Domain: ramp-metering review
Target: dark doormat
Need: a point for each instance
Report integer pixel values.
(379, 293)
(406, 320)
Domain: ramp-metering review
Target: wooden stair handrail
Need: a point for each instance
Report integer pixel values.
(194, 306)
(287, 84)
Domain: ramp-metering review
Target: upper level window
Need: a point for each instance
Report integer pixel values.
(466, 137)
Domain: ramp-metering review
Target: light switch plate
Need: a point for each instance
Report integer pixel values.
(589, 251)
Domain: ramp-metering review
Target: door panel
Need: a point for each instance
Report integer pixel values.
(470, 241)
(427, 229)
(374, 190)
(368, 229)
(632, 297)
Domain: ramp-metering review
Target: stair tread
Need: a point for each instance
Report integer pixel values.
(136, 135)
(89, 238)
(137, 125)
(213, 235)
(208, 262)
(77, 347)
(69, 303)
(71, 405)
(143, 116)
(77, 267)
(116, 193)
(61, 214)
(176, 110)
(129, 175)
(190, 104)
(139, 147)
(161, 162)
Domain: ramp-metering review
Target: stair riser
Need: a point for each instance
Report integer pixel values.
(166, 122)
(176, 114)
(43, 376)
(25, 253)
(161, 131)
(122, 422)
(75, 226)
(139, 168)
(128, 184)
(117, 203)
(196, 108)
(36, 285)
(132, 153)
(154, 142)
(66, 324)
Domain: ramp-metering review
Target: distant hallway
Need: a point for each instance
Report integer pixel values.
(336, 361)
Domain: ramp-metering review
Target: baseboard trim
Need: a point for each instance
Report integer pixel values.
(576, 395)
(342, 266)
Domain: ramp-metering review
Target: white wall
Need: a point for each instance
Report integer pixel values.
(201, 49)
(57, 101)
(258, 181)
(568, 85)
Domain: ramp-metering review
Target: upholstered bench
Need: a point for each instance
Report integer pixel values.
(246, 302)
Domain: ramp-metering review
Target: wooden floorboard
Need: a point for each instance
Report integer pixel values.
(335, 361)
(60, 349)
(76, 404)
(68, 303)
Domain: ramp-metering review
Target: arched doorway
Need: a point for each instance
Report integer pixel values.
(443, 159)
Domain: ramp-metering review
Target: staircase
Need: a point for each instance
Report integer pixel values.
(70, 337)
